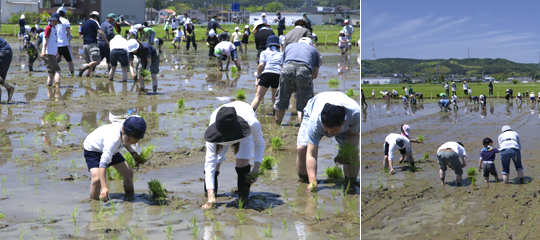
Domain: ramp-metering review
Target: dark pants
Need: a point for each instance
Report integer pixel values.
(258, 55)
(447, 92)
(465, 92)
(491, 92)
(104, 51)
(211, 51)
(280, 30)
(189, 39)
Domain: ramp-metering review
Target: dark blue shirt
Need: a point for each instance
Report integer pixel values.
(213, 25)
(4, 45)
(145, 51)
(108, 29)
(22, 23)
(90, 31)
(488, 155)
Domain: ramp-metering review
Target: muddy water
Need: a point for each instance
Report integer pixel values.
(45, 191)
(413, 205)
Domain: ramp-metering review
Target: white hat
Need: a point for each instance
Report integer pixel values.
(346, 21)
(314, 34)
(236, 28)
(188, 21)
(256, 24)
(341, 31)
(61, 9)
(132, 45)
(212, 32)
(94, 13)
(22, 16)
(263, 15)
(306, 40)
(247, 26)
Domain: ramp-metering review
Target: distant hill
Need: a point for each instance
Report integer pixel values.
(469, 66)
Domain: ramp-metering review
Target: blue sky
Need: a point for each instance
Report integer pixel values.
(444, 29)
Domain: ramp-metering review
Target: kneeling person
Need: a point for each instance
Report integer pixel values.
(330, 114)
(101, 150)
(232, 125)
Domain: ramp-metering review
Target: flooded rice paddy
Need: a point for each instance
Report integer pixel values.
(414, 205)
(45, 181)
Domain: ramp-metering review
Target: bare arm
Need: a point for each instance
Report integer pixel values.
(103, 36)
(315, 72)
(149, 64)
(131, 68)
(104, 195)
(68, 31)
(311, 165)
(45, 43)
(260, 68)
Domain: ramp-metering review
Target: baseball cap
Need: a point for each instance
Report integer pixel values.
(94, 13)
(341, 31)
(333, 115)
(247, 26)
(112, 15)
(304, 13)
(346, 20)
(135, 126)
(236, 28)
(406, 128)
(211, 32)
(132, 45)
(306, 40)
(217, 52)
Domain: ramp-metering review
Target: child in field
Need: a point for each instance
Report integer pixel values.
(167, 29)
(373, 94)
(80, 30)
(487, 159)
(342, 41)
(413, 100)
(178, 37)
(32, 51)
(101, 150)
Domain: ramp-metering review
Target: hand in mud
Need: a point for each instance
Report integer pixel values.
(104, 195)
(138, 159)
(253, 171)
(312, 187)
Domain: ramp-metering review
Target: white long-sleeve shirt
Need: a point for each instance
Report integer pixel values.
(391, 140)
(455, 147)
(106, 140)
(245, 111)
(118, 42)
(509, 139)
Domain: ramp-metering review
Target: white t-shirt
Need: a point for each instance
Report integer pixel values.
(62, 29)
(52, 44)
(509, 139)
(470, 91)
(106, 140)
(80, 28)
(455, 147)
(531, 95)
(465, 86)
(118, 42)
(174, 22)
(264, 20)
(392, 145)
(179, 33)
(226, 47)
(236, 36)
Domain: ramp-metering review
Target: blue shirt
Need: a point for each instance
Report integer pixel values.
(348, 30)
(22, 23)
(4, 45)
(90, 31)
(301, 53)
(445, 102)
(271, 57)
(108, 29)
(488, 154)
(145, 51)
(314, 107)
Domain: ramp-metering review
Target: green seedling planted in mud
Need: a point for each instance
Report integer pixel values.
(473, 181)
(285, 192)
(426, 156)
(266, 231)
(270, 210)
(276, 143)
(2, 215)
(180, 103)
(333, 82)
(348, 153)
(420, 138)
(471, 172)
(318, 212)
(145, 74)
(240, 94)
(156, 189)
(284, 223)
(268, 163)
(234, 69)
(351, 93)
(333, 172)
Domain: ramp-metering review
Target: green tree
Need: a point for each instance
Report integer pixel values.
(172, 8)
(273, 7)
(515, 81)
(253, 9)
(182, 7)
(68, 14)
(44, 16)
(363, 75)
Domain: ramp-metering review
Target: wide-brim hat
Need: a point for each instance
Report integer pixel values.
(506, 128)
(132, 45)
(257, 24)
(263, 15)
(94, 13)
(306, 40)
(236, 28)
(55, 17)
(228, 128)
(61, 9)
(300, 22)
(22, 16)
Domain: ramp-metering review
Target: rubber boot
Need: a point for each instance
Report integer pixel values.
(243, 184)
(30, 68)
(215, 184)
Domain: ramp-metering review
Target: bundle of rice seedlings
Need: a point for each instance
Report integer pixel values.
(333, 172)
(471, 172)
(145, 74)
(333, 82)
(347, 153)
(276, 142)
(240, 94)
(234, 69)
(420, 138)
(180, 103)
(156, 189)
(268, 163)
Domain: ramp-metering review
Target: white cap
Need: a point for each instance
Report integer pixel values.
(247, 26)
(212, 32)
(263, 15)
(314, 34)
(22, 16)
(236, 28)
(94, 13)
(306, 40)
(188, 21)
(132, 45)
(61, 9)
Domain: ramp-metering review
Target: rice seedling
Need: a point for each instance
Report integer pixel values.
(426, 156)
(2, 215)
(420, 138)
(4, 179)
(471, 172)
(333, 172)
(284, 223)
(38, 158)
(270, 210)
(169, 230)
(351, 93)
(338, 211)
(156, 189)
(42, 215)
(239, 234)
(333, 82)
(240, 94)
(347, 153)
(318, 213)
(255, 175)
(145, 74)
(234, 69)
(266, 231)
(276, 143)
(268, 162)
(180, 103)
(473, 181)
(285, 192)
(22, 232)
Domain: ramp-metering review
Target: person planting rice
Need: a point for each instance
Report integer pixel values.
(190, 34)
(149, 34)
(300, 67)
(531, 97)
(225, 51)
(268, 71)
(50, 50)
(510, 147)
(487, 158)
(32, 52)
(224, 36)
(101, 150)
(391, 142)
(299, 31)
(107, 27)
(454, 101)
(92, 55)
(261, 31)
(329, 114)
(179, 35)
(211, 42)
(444, 104)
(483, 100)
(233, 125)
(406, 132)
(449, 154)
(6, 55)
(149, 59)
(342, 42)
(167, 29)
(158, 42)
(419, 96)
(119, 53)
